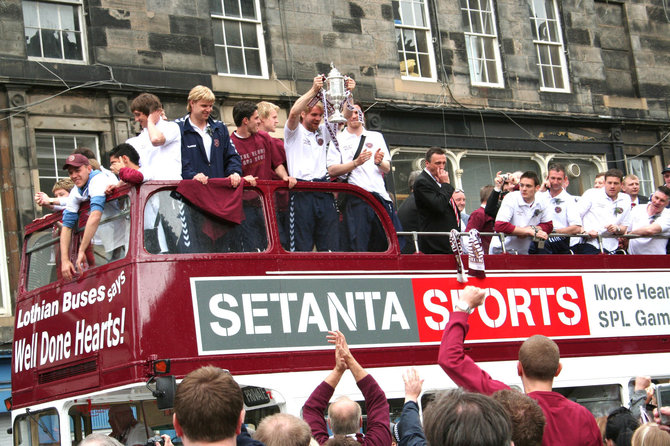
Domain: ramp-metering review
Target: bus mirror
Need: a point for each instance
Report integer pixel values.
(166, 387)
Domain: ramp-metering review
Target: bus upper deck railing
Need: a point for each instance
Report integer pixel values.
(502, 236)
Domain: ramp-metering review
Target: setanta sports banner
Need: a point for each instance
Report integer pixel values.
(272, 314)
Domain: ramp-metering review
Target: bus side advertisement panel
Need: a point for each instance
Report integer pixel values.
(295, 313)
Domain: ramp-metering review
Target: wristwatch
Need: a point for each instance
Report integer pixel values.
(463, 306)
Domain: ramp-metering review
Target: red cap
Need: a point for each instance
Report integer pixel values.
(75, 160)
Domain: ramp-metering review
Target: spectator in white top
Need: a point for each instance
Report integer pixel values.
(651, 219)
(61, 190)
(522, 217)
(159, 143)
(367, 171)
(561, 209)
(604, 211)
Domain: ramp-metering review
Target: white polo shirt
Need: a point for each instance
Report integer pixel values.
(640, 218)
(598, 211)
(561, 209)
(516, 211)
(160, 162)
(306, 152)
(367, 176)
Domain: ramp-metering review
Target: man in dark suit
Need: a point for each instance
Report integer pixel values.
(631, 186)
(437, 213)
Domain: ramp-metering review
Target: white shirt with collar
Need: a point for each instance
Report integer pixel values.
(306, 152)
(598, 211)
(561, 209)
(515, 210)
(368, 175)
(160, 162)
(644, 245)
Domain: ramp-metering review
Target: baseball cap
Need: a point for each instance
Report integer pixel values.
(75, 160)
(666, 169)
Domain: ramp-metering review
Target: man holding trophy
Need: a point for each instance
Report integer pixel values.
(313, 218)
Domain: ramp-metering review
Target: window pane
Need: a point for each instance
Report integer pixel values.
(249, 9)
(558, 77)
(221, 59)
(406, 13)
(421, 42)
(396, 11)
(49, 15)
(216, 7)
(424, 60)
(42, 253)
(232, 30)
(492, 72)
(236, 61)
(33, 43)
(185, 228)
(249, 36)
(72, 46)
(67, 19)
(547, 77)
(231, 8)
(418, 14)
(30, 14)
(398, 36)
(252, 58)
(410, 40)
(51, 44)
(217, 31)
(487, 25)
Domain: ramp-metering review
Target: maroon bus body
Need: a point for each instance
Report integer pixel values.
(159, 316)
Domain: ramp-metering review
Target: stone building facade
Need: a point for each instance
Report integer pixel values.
(501, 84)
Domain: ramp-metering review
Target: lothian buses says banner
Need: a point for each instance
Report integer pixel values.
(272, 314)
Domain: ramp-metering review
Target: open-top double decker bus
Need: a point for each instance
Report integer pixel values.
(83, 346)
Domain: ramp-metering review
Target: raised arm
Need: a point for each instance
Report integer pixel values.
(301, 104)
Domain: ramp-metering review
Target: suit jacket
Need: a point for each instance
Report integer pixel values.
(436, 213)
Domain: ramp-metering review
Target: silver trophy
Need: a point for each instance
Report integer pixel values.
(336, 95)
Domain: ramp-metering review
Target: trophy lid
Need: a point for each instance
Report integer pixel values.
(334, 72)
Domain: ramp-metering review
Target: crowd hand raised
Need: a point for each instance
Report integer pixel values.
(318, 83)
(499, 180)
(350, 84)
(473, 296)
(413, 384)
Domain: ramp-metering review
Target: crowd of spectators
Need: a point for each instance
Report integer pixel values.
(482, 411)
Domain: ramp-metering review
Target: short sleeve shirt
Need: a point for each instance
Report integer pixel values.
(561, 209)
(160, 162)
(367, 176)
(598, 211)
(516, 211)
(645, 245)
(306, 152)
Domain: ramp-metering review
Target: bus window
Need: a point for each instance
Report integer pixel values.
(344, 222)
(172, 225)
(600, 400)
(37, 429)
(110, 241)
(42, 251)
(131, 423)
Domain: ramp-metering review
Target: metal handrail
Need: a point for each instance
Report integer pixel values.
(415, 237)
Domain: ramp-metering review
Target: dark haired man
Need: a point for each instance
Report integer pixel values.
(256, 149)
(561, 210)
(522, 217)
(651, 219)
(568, 423)
(480, 220)
(437, 210)
(604, 210)
(208, 408)
(159, 143)
(459, 418)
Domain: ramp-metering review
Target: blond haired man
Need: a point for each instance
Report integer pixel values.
(206, 148)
